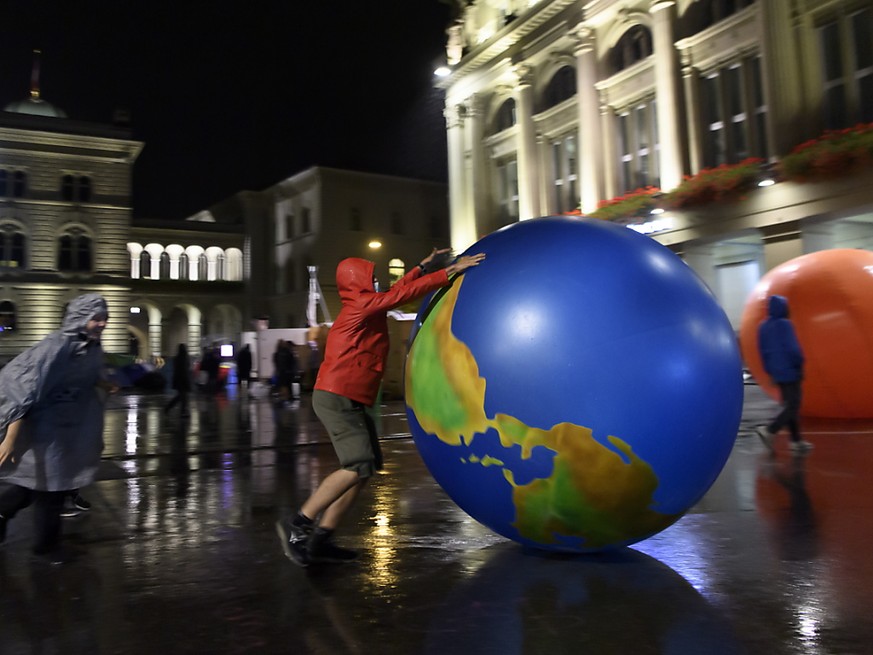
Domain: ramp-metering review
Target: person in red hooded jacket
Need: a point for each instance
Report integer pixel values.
(346, 389)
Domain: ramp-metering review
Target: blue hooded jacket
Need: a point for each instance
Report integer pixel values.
(780, 350)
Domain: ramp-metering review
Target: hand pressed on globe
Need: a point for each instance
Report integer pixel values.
(464, 262)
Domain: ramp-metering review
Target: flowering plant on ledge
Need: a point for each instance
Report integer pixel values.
(722, 183)
(834, 154)
(634, 203)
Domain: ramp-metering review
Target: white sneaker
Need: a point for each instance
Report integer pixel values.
(800, 446)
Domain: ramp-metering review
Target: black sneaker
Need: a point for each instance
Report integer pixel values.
(327, 551)
(81, 504)
(294, 539)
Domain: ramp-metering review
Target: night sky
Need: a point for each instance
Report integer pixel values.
(239, 95)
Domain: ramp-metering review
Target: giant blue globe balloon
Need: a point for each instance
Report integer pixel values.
(579, 390)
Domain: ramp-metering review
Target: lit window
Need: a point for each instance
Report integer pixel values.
(638, 145)
(507, 191)
(396, 270)
(847, 67)
(13, 247)
(564, 169)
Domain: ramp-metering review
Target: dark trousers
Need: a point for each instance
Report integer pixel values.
(180, 397)
(46, 513)
(787, 418)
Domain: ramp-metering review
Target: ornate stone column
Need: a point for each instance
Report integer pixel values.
(667, 93)
(476, 168)
(590, 130)
(462, 226)
(528, 194)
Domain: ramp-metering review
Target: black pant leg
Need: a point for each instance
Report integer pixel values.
(47, 519)
(14, 499)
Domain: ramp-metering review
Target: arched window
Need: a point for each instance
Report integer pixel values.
(74, 251)
(396, 270)
(635, 45)
(13, 247)
(505, 116)
(145, 265)
(561, 87)
(183, 266)
(220, 267)
(19, 184)
(7, 317)
(203, 267)
(165, 266)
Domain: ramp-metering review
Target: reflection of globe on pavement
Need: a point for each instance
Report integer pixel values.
(621, 602)
(579, 390)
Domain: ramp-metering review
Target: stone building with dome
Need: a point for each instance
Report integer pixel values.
(555, 106)
(67, 227)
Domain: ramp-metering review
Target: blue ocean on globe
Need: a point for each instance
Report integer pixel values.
(579, 390)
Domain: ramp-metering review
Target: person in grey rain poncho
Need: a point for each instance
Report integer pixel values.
(51, 420)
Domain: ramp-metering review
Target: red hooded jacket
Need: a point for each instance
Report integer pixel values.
(357, 344)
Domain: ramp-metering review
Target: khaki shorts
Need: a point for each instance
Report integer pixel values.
(352, 432)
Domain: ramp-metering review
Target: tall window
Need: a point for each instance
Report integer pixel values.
(306, 219)
(4, 182)
(76, 187)
(507, 191)
(74, 251)
(564, 163)
(7, 316)
(638, 146)
(183, 267)
(847, 66)
(13, 247)
(289, 226)
(19, 184)
(734, 114)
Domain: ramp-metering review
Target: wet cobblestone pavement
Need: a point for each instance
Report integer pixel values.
(179, 555)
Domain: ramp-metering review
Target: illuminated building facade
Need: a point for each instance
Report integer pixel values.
(561, 105)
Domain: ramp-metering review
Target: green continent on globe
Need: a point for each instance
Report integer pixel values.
(596, 494)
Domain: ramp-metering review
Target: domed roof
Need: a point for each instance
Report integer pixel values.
(35, 106)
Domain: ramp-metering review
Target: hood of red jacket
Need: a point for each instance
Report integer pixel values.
(354, 276)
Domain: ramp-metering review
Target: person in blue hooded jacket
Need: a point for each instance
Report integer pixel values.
(783, 361)
(51, 420)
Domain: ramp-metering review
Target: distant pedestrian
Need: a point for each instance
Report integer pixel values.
(345, 392)
(244, 365)
(783, 361)
(51, 417)
(181, 380)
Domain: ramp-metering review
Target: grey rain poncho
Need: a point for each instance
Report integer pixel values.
(52, 386)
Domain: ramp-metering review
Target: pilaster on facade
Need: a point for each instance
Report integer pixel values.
(782, 76)
(528, 200)
(476, 170)
(590, 141)
(691, 85)
(462, 222)
(667, 93)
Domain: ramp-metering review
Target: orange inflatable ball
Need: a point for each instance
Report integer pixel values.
(830, 301)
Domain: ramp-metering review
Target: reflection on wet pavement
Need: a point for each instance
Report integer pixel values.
(178, 554)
